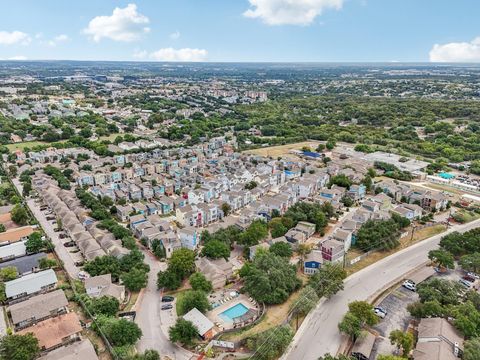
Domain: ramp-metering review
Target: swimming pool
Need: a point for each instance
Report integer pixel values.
(446, 176)
(233, 312)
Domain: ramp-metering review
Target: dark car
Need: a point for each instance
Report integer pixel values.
(62, 236)
(69, 244)
(167, 298)
(469, 278)
(167, 307)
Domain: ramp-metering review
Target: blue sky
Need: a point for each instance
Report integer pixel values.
(241, 30)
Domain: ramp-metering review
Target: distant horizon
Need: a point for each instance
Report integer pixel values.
(259, 31)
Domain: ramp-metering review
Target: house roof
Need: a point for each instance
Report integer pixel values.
(364, 344)
(51, 332)
(30, 283)
(80, 350)
(15, 249)
(24, 264)
(202, 323)
(38, 306)
(436, 340)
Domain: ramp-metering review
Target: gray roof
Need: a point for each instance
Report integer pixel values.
(82, 350)
(38, 307)
(24, 264)
(202, 323)
(30, 283)
(15, 249)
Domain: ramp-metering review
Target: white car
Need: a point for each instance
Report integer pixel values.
(380, 312)
(473, 275)
(410, 285)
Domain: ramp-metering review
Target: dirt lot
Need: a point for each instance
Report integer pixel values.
(282, 150)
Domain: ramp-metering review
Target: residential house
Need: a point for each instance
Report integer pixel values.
(437, 340)
(333, 251)
(363, 347)
(217, 271)
(38, 308)
(54, 332)
(25, 264)
(306, 228)
(189, 237)
(12, 251)
(30, 284)
(409, 211)
(101, 285)
(79, 350)
(344, 237)
(123, 212)
(312, 262)
(357, 192)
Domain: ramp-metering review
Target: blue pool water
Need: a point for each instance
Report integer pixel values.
(445, 175)
(233, 312)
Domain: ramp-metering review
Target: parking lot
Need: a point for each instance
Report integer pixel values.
(398, 317)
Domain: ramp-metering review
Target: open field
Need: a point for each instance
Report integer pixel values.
(31, 144)
(282, 150)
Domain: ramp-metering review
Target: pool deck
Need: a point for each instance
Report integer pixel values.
(214, 314)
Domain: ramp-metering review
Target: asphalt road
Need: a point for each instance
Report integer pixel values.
(151, 320)
(319, 333)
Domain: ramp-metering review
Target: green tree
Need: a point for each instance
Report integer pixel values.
(102, 265)
(426, 309)
(215, 249)
(119, 332)
(2, 228)
(471, 262)
(278, 340)
(270, 278)
(193, 299)
(8, 273)
(328, 280)
(442, 258)
(168, 279)
(389, 357)
(135, 279)
(34, 243)
(147, 355)
(226, 208)
(364, 312)
(46, 263)
(19, 215)
(282, 249)
(19, 347)
(378, 234)
(277, 227)
(472, 349)
(198, 281)
(402, 340)
(350, 325)
(182, 262)
(183, 332)
(258, 230)
(104, 305)
(444, 291)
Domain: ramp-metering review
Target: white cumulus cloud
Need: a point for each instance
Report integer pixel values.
(14, 37)
(58, 39)
(456, 51)
(185, 54)
(289, 12)
(123, 25)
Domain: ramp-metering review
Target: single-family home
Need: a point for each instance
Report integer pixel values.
(31, 284)
(333, 251)
(38, 308)
(312, 262)
(79, 350)
(101, 285)
(12, 251)
(217, 271)
(54, 332)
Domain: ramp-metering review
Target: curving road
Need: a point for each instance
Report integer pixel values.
(152, 320)
(319, 333)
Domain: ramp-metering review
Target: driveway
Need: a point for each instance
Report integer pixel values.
(152, 320)
(60, 250)
(319, 333)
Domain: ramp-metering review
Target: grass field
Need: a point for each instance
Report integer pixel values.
(282, 150)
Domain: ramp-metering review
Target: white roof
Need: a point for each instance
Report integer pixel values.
(15, 249)
(202, 323)
(30, 283)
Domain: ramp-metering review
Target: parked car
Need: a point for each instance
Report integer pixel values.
(69, 244)
(466, 283)
(167, 307)
(49, 218)
(410, 285)
(57, 229)
(62, 236)
(380, 312)
(167, 298)
(83, 275)
(469, 278)
(473, 275)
